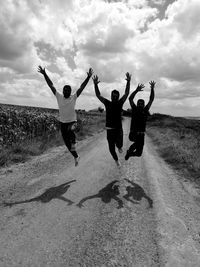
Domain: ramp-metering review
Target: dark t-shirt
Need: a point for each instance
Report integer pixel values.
(113, 114)
(139, 119)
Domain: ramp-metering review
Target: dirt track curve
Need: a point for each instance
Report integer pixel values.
(42, 225)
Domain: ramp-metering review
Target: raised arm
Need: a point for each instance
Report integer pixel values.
(48, 81)
(131, 97)
(127, 90)
(97, 92)
(152, 95)
(80, 204)
(83, 85)
(129, 181)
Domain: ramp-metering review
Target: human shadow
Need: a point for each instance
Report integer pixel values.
(51, 193)
(135, 193)
(106, 194)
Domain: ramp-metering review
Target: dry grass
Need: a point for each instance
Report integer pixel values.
(178, 142)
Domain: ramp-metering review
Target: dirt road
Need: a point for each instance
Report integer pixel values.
(151, 219)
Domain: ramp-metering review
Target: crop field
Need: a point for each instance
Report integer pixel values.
(21, 126)
(20, 123)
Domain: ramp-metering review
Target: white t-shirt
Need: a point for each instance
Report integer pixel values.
(66, 106)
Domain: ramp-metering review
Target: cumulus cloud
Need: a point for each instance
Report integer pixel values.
(163, 53)
(24, 23)
(16, 45)
(111, 36)
(6, 70)
(185, 13)
(104, 46)
(159, 2)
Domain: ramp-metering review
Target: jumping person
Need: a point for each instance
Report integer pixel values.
(113, 116)
(67, 113)
(138, 121)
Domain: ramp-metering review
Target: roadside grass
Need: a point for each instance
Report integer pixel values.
(178, 142)
(22, 151)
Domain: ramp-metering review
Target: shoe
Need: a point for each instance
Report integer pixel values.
(127, 155)
(77, 161)
(120, 150)
(118, 163)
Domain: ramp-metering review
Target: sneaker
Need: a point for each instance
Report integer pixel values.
(77, 161)
(120, 150)
(118, 163)
(127, 155)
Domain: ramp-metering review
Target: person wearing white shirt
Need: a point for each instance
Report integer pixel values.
(67, 113)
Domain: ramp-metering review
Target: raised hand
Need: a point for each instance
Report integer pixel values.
(80, 205)
(152, 84)
(90, 72)
(96, 79)
(41, 70)
(140, 87)
(128, 77)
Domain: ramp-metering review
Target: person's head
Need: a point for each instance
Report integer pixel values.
(115, 95)
(140, 103)
(67, 91)
(106, 198)
(129, 190)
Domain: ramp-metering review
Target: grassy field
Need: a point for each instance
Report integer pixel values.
(178, 142)
(28, 131)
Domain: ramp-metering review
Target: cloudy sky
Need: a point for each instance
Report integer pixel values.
(152, 39)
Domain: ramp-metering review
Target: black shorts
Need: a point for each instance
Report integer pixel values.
(134, 136)
(115, 136)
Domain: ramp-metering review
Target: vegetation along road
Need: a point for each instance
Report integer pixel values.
(148, 216)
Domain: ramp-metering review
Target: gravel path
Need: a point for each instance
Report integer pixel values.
(151, 219)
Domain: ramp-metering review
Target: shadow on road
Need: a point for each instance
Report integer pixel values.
(48, 195)
(135, 193)
(106, 194)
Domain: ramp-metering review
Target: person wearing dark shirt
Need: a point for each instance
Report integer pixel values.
(138, 121)
(114, 116)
